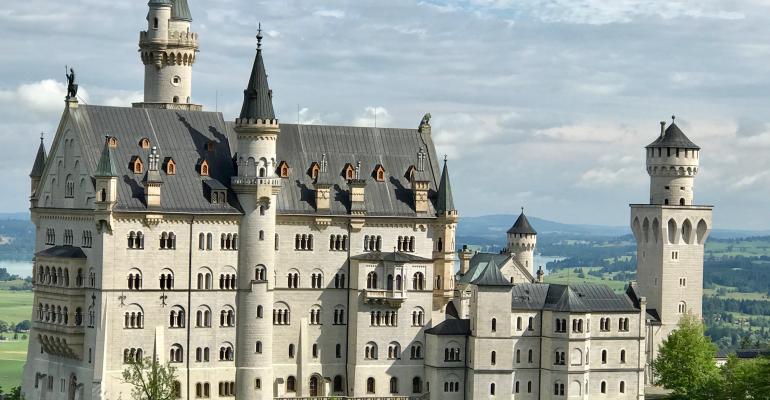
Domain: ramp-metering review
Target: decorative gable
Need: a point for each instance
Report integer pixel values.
(169, 166)
(410, 172)
(144, 143)
(283, 169)
(112, 141)
(349, 172)
(379, 173)
(314, 169)
(203, 168)
(136, 165)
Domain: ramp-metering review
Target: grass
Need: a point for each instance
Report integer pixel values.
(746, 248)
(13, 354)
(14, 307)
(566, 275)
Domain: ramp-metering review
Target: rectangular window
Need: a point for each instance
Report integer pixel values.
(675, 255)
(258, 384)
(63, 385)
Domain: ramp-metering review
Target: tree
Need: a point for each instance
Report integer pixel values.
(685, 362)
(746, 379)
(151, 381)
(3, 326)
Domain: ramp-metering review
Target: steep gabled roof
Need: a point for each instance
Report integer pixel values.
(39, 165)
(62, 252)
(522, 226)
(479, 262)
(673, 137)
(491, 276)
(444, 202)
(578, 298)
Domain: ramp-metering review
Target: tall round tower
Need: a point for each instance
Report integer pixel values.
(257, 187)
(168, 51)
(672, 162)
(522, 239)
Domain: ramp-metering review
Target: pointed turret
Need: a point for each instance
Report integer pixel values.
(38, 167)
(444, 203)
(257, 98)
(522, 239)
(106, 177)
(180, 11)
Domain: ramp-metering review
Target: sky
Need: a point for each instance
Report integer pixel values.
(543, 104)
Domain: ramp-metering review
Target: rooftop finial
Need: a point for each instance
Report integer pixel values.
(445, 158)
(522, 210)
(673, 117)
(41, 136)
(259, 37)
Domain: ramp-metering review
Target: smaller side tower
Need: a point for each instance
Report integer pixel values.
(37, 171)
(522, 239)
(672, 163)
(444, 253)
(168, 50)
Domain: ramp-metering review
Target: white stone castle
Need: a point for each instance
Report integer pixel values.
(267, 260)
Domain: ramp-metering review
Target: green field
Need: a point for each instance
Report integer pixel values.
(14, 308)
(12, 357)
(746, 247)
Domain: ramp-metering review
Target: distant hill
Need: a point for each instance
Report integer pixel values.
(490, 229)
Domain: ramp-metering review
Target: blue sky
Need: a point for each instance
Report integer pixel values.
(545, 104)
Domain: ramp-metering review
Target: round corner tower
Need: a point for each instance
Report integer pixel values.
(168, 51)
(522, 239)
(257, 187)
(672, 163)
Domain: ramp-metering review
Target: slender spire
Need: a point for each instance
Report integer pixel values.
(106, 167)
(39, 165)
(445, 203)
(258, 98)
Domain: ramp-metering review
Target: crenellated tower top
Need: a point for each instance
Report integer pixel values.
(168, 50)
(672, 163)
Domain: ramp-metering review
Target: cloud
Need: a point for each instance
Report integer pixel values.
(43, 96)
(586, 132)
(606, 176)
(337, 14)
(374, 116)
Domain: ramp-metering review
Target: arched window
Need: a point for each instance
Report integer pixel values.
(291, 384)
(416, 385)
(415, 352)
(259, 312)
(338, 351)
(494, 324)
(418, 281)
(155, 23)
(291, 350)
(337, 384)
(370, 385)
(176, 354)
(493, 358)
(492, 389)
(622, 356)
(370, 351)
(176, 317)
(603, 387)
(371, 280)
(394, 351)
(258, 347)
(518, 323)
(166, 279)
(622, 387)
(604, 356)
(226, 352)
(393, 385)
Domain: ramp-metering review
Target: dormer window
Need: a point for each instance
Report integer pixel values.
(204, 168)
(113, 142)
(283, 169)
(379, 173)
(314, 169)
(348, 172)
(144, 143)
(170, 166)
(410, 172)
(210, 146)
(216, 191)
(218, 197)
(136, 165)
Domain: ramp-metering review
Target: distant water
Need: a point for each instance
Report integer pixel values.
(544, 260)
(21, 268)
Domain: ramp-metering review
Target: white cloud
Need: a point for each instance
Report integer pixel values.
(587, 132)
(374, 116)
(43, 96)
(607, 176)
(338, 14)
(124, 99)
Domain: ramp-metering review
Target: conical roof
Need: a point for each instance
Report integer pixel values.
(180, 11)
(491, 276)
(39, 165)
(444, 202)
(522, 226)
(257, 98)
(106, 167)
(673, 137)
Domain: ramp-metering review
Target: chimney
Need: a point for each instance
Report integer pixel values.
(540, 275)
(323, 186)
(152, 181)
(420, 184)
(465, 259)
(662, 128)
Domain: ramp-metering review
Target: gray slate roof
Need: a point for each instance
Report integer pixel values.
(39, 165)
(491, 276)
(106, 166)
(444, 202)
(673, 137)
(479, 262)
(451, 327)
(522, 226)
(392, 256)
(62, 252)
(579, 298)
(183, 136)
(180, 10)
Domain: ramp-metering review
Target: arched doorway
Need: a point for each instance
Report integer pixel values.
(314, 383)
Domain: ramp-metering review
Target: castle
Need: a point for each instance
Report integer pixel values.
(267, 260)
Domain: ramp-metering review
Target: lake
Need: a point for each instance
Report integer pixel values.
(21, 268)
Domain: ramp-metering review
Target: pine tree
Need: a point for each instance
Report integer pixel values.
(685, 362)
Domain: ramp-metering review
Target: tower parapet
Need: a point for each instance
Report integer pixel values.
(672, 163)
(168, 50)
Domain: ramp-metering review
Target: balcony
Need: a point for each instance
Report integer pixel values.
(61, 340)
(392, 298)
(265, 187)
